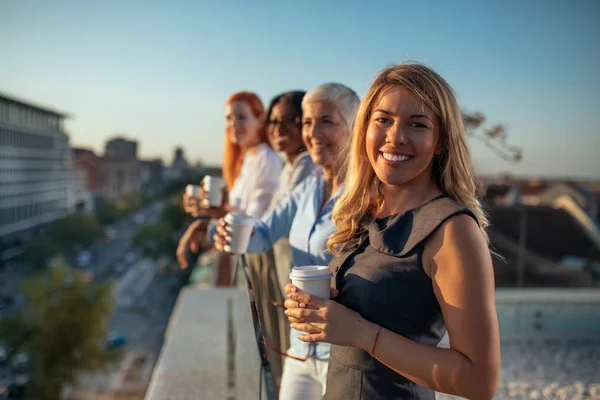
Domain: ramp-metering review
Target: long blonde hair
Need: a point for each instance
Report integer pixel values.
(452, 169)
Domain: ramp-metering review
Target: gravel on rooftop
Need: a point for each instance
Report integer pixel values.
(548, 370)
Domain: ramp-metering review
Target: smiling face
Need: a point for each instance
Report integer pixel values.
(402, 139)
(241, 125)
(324, 132)
(284, 129)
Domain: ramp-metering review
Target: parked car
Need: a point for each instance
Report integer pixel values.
(139, 218)
(115, 340)
(119, 266)
(110, 234)
(130, 258)
(84, 259)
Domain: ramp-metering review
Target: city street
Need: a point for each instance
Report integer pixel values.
(106, 254)
(144, 298)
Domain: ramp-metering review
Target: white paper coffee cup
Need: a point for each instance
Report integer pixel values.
(213, 185)
(239, 227)
(193, 190)
(313, 279)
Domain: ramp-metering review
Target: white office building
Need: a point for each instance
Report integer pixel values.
(34, 169)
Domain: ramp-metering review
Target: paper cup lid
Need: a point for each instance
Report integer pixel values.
(238, 218)
(214, 179)
(191, 190)
(311, 273)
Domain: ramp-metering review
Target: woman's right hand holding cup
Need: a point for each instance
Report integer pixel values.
(222, 237)
(191, 205)
(210, 209)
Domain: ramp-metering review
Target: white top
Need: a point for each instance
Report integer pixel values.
(257, 183)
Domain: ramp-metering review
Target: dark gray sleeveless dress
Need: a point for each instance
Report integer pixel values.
(383, 279)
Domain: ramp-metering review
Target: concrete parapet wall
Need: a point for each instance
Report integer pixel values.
(548, 313)
(210, 351)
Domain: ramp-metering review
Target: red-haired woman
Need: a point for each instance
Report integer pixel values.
(251, 169)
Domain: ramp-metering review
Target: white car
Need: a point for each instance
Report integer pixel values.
(84, 258)
(130, 258)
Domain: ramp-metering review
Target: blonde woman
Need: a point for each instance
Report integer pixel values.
(412, 254)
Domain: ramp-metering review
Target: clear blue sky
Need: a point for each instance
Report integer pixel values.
(160, 71)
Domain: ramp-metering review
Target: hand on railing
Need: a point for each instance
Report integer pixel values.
(192, 239)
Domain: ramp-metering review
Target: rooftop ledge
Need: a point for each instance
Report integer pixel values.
(210, 352)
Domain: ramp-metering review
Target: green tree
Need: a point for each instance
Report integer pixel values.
(174, 214)
(39, 250)
(63, 327)
(76, 230)
(107, 212)
(129, 203)
(155, 239)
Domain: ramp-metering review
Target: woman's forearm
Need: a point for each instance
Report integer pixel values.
(440, 369)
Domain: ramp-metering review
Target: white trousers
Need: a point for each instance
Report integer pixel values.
(303, 380)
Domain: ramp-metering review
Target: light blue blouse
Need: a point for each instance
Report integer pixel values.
(299, 217)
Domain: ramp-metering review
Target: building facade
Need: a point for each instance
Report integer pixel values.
(86, 159)
(120, 176)
(34, 168)
(178, 169)
(151, 174)
(121, 147)
(80, 198)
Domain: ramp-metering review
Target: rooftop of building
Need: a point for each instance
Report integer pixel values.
(550, 232)
(30, 104)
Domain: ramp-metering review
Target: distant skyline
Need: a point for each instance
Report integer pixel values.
(159, 72)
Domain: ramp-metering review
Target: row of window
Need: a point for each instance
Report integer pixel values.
(27, 182)
(53, 156)
(5, 195)
(53, 168)
(13, 215)
(18, 114)
(13, 138)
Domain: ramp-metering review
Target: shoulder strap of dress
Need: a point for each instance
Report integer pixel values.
(407, 231)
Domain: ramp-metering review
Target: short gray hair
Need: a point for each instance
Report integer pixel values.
(341, 96)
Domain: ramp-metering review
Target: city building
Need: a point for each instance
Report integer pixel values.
(120, 176)
(121, 147)
(151, 174)
(178, 169)
(80, 197)
(34, 170)
(92, 164)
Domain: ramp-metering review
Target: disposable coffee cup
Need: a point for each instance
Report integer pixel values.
(313, 279)
(213, 186)
(193, 190)
(239, 227)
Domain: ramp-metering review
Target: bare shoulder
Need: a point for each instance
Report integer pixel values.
(457, 241)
